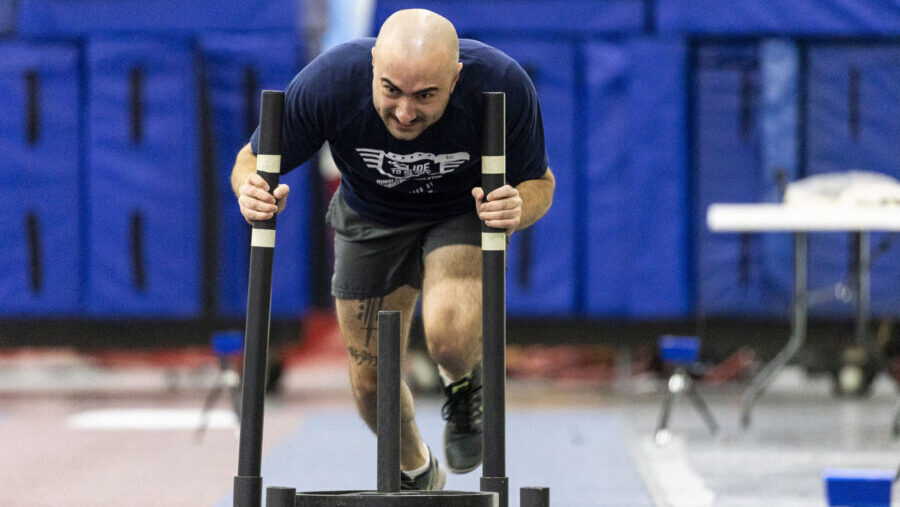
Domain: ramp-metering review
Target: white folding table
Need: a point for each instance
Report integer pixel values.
(859, 220)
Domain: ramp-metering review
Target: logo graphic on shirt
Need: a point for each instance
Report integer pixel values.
(398, 169)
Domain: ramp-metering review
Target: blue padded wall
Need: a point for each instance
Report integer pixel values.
(238, 67)
(547, 17)
(39, 180)
(541, 259)
(779, 106)
(607, 180)
(143, 179)
(636, 165)
(8, 17)
(659, 263)
(55, 18)
(734, 275)
(851, 124)
(853, 93)
(807, 17)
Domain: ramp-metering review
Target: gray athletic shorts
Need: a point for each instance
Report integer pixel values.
(372, 260)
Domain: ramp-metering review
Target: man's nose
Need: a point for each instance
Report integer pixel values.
(405, 112)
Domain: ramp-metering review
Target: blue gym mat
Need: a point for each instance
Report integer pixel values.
(581, 455)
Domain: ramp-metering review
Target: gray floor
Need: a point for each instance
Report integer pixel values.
(590, 443)
(596, 448)
(797, 431)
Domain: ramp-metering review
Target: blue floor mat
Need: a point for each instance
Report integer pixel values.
(581, 455)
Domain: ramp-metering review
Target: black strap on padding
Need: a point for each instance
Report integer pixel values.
(33, 232)
(853, 101)
(138, 266)
(251, 98)
(136, 104)
(32, 107)
(781, 181)
(649, 17)
(744, 260)
(748, 98)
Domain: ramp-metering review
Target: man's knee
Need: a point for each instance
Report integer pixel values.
(452, 335)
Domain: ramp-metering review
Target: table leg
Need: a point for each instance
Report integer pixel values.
(799, 307)
(863, 288)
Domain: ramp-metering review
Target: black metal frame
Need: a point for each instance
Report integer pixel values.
(494, 484)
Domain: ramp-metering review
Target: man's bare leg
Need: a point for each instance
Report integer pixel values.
(358, 319)
(451, 308)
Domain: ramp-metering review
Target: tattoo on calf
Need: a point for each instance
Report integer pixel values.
(363, 357)
(367, 314)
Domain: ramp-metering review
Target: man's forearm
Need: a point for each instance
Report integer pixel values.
(244, 165)
(536, 195)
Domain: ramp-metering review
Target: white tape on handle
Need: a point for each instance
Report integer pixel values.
(493, 164)
(263, 237)
(268, 163)
(493, 241)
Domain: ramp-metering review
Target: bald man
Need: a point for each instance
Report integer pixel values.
(402, 115)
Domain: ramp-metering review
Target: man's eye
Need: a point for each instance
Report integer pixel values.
(390, 89)
(426, 96)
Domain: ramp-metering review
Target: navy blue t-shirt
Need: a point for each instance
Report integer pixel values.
(392, 181)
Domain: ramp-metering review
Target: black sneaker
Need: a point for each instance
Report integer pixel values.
(462, 434)
(432, 480)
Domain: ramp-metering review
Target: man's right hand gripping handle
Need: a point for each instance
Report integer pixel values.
(255, 200)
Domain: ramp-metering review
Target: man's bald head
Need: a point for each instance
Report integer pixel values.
(413, 35)
(415, 66)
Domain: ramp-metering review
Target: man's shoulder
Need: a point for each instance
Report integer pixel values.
(360, 47)
(340, 74)
(478, 53)
(346, 55)
(486, 68)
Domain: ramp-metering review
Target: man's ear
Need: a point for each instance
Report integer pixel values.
(459, 67)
